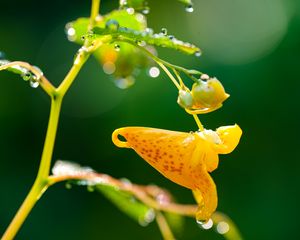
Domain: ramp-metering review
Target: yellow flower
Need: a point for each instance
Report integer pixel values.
(184, 158)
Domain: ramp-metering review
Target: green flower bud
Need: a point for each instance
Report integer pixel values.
(208, 94)
(185, 99)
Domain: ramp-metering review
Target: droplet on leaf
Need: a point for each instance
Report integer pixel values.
(112, 25)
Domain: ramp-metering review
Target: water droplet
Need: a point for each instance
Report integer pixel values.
(198, 53)
(154, 72)
(2, 55)
(149, 31)
(189, 8)
(33, 82)
(206, 225)
(164, 31)
(117, 47)
(123, 3)
(112, 25)
(148, 218)
(141, 43)
(109, 67)
(171, 37)
(90, 188)
(68, 185)
(26, 76)
(204, 77)
(146, 10)
(130, 11)
(223, 227)
(71, 32)
(125, 82)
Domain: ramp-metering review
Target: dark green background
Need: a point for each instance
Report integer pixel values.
(251, 46)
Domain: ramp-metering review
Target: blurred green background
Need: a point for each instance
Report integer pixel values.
(252, 46)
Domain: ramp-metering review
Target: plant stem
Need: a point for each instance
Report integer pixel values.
(40, 185)
(164, 226)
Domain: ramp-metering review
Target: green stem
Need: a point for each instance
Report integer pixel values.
(188, 72)
(42, 180)
(40, 185)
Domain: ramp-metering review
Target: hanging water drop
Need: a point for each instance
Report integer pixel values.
(112, 25)
(26, 76)
(164, 31)
(189, 8)
(117, 47)
(71, 32)
(34, 83)
(2, 55)
(198, 53)
(206, 225)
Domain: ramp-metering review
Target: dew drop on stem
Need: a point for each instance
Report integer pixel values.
(198, 53)
(206, 225)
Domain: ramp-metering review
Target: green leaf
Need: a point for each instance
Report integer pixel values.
(127, 204)
(139, 5)
(143, 37)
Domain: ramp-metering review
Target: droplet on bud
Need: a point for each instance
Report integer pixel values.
(146, 10)
(33, 82)
(117, 47)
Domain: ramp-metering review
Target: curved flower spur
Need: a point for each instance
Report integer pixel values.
(184, 158)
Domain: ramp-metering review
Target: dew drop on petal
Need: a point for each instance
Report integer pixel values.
(206, 225)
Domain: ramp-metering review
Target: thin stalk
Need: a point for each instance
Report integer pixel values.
(188, 72)
(164, 227)
(199, 124)
(43, 81)
(40, 184)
